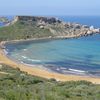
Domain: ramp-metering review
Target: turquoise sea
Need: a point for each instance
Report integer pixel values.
(68, 56)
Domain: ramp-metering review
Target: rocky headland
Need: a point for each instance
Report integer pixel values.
(26, 27)
(57, 27)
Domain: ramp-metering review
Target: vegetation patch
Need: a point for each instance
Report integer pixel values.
(18, 85)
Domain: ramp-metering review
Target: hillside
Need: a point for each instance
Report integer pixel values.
(18, 85)
(25, 27)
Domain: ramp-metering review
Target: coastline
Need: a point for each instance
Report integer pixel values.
(34, 39)
(41, 72)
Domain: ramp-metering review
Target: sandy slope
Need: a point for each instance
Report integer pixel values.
(43, 73)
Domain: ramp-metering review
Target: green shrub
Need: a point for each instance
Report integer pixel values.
(19, 85)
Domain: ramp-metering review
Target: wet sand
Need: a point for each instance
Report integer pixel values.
(41, 72)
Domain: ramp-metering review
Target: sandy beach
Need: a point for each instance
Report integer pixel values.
(37, 71)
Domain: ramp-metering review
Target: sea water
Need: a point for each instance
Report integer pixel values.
(68, 56)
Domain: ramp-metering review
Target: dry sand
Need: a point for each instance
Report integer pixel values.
(44, 73)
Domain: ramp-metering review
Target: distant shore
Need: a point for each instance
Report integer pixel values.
(38, 71)
(34, 39)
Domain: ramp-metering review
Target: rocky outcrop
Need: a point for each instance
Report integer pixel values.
(49, 20)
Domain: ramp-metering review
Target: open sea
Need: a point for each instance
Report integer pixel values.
(67, 56)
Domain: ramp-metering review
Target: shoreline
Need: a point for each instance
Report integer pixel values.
(68, 71)
(41, 72)
(59, 70)
(44, 38)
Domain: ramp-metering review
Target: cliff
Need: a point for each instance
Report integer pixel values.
(23, 27)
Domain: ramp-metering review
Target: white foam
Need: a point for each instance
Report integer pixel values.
(75, 70)
(58, 69)
(5, 52)
(25, 49)
(63, 68)
(28, 64)
(34, 60)
(22, 62)
(24, 57)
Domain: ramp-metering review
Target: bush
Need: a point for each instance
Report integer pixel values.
(20, 86)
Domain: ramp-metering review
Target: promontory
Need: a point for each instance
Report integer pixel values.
(26, 27)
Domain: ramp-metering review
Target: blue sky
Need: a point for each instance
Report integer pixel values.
(49, 7)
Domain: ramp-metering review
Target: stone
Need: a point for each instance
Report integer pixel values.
(42, 27)
(91, 27)
(85, 26)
